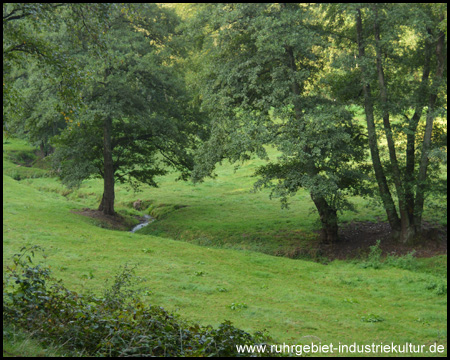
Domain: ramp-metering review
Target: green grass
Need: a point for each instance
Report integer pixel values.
(225, 212)
(292, 299)
(18, 343)
(18, 158)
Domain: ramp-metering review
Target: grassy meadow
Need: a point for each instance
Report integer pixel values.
(222, 270)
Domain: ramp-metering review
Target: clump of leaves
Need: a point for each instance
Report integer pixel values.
(238, 306)
(371, 318)
(116, 324)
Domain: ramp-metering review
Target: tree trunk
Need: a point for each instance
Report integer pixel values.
(411, 135)
(107, 203)
(407, 227)
(328, 219)
(43, 153)
(383, 187)
(421, 180)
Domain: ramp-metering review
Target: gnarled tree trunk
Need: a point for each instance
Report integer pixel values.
(328, 219)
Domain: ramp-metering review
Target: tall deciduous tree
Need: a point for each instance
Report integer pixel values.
(400, 57)
(135, 121)
(261, 66)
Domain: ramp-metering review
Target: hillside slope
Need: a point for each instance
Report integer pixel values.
(295, 300)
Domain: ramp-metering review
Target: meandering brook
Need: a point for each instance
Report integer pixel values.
(148, 220)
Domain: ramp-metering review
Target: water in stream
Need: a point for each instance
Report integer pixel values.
(148, 220)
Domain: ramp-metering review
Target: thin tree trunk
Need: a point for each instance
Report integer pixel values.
(42, 149)
(421, 180)
(107, 203)
(383, 187)
(411, 135)
(407, 226)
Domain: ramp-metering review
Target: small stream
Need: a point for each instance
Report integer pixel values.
(148, 220)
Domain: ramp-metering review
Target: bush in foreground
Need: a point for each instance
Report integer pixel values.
(116, 324)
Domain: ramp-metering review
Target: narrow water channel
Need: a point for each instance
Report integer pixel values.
(148, 220)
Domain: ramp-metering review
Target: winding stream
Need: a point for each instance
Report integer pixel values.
(148, 220)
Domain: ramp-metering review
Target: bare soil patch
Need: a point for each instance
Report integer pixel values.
(356, 238)
(113, 222)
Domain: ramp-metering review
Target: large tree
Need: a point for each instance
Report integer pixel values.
(398, 56)
(134, 121)
(260, 68)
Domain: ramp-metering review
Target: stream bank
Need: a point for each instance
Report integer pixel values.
(147, 220)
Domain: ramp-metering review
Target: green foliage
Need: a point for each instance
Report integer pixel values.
(31, 46)
(398, 76)
(407, 262)
(121, 64)
(271, 77)
(260, 88)
(134, 84)
(374, 257)
(283, 75)
(238, 306)
(371, 318)
(117, 324)
(335, 145)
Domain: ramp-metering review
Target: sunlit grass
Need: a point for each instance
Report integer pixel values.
(292, 299)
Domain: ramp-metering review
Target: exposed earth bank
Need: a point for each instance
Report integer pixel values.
(356, 238)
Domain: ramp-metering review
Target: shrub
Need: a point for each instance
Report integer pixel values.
(407, 262)
(116, 324)
(374, 257)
